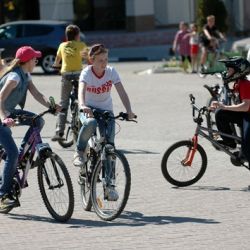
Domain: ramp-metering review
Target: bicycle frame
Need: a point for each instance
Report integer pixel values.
(33, 145)
(201, 131)
(74, 93)
(33, 141)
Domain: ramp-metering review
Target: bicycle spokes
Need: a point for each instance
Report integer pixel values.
(57, 182)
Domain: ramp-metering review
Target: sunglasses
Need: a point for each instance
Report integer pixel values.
(96, 49)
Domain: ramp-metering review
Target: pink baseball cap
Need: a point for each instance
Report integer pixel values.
(26, 53)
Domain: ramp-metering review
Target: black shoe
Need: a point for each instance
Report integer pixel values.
(8, 201)
(202, 69)
(57, 137)
(227, 144)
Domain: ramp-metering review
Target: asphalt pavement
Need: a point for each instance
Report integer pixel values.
(211, 214)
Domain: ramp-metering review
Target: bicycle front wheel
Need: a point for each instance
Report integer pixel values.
(105, 208)
(68, 140)
(176, 172)
(56, 188)
(85, 175)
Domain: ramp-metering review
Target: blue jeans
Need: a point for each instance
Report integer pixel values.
(88, 128)
(8, 143)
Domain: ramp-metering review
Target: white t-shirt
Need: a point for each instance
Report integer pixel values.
(194, 39)
(98, 89)
(13, 76)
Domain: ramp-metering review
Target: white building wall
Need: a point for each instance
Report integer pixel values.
(161, 12)
(139, 7)
(56, 9)
(169, 12)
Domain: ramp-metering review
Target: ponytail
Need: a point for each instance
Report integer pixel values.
(6, 69)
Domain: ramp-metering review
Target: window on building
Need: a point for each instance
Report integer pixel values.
(100, 14)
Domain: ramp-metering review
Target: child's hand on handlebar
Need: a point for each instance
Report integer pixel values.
(87, 111)
(58, 108)
(131, 115)
(9, 122)
(215, 105)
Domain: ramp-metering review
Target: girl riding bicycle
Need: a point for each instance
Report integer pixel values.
(237, 70)
(95, 84)
(15, 81)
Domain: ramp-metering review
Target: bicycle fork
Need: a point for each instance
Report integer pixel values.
(190, 153)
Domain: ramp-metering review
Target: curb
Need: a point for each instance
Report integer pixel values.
(159, 70)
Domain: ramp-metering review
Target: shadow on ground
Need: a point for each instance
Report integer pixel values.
(129, 219)
(212, 188)
(206, 188)
(137, 151)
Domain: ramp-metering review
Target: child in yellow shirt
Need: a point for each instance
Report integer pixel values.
(70, 54)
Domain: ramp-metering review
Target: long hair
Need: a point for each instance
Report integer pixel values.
(6, 69)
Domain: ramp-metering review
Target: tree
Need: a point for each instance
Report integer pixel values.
(212, 7)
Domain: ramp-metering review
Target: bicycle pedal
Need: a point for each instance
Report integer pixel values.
(80, 182)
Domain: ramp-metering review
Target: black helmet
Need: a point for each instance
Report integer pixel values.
(240, 65)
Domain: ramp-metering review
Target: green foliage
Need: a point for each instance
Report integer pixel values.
(212, 7)
(172, 62)
(82, 9)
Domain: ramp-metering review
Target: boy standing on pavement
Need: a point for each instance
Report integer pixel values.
(70, 53)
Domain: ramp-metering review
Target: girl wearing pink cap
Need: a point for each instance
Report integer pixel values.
(15, 81)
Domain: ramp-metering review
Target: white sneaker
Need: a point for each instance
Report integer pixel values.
(111, 194)
(78, 160)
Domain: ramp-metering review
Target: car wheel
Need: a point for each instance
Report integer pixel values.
(47, 62)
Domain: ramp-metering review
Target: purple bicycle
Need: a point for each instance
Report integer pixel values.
(53, 178)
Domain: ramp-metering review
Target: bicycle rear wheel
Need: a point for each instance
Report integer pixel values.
(176, 172)
(56, 188)
(16, 193)
(121, 179)
(71, 129)
(68, 140)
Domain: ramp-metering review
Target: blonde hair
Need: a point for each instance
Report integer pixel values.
(211, 17)
(6, 69)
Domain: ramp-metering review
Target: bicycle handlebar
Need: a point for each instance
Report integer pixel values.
(106, 116)
(52, 109)
(201, 111)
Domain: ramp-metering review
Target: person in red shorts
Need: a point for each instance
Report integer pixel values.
(237, 70)
(194, 46)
